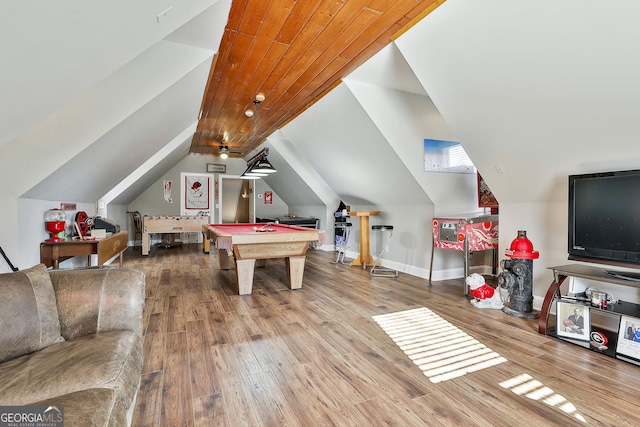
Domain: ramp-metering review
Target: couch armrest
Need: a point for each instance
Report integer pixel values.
(99, 299)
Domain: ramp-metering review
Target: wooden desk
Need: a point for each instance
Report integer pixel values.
(169, 224)
(364, 258)
(52, 253)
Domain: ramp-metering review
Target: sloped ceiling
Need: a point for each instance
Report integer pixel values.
(291, 188)
(139, 186)
(291, 52)
(52, 51)
(121, 150)
(349, 152)
(538, 89)
(541, 89)
(388, 68)
(90, 142)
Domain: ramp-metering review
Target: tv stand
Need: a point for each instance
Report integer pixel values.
(624, 275)
(614, 310)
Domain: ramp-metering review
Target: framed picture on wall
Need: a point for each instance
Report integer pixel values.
(196, 192)
(216, 168)
(573, 321)
(485, 196)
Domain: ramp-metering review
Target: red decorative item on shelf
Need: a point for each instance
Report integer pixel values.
(54, 223)
(82, 223)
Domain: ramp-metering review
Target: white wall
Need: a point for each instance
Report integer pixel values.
(546, 227)
(152, 202)
(540, 103)
(405, 120)
(276, 209)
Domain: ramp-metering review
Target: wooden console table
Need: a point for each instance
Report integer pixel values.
(52, 253)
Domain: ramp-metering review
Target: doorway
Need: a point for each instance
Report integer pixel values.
(236, 200)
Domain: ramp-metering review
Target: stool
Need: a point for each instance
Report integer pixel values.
(377, 269)
(341, 241)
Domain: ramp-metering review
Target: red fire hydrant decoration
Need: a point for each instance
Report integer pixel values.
(522, 248)
(517, 277)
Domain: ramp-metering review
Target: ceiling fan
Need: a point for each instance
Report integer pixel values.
(224, 152)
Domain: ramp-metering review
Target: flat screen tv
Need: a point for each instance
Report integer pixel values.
(604, 219)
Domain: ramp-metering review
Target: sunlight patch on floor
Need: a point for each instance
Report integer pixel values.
(525, 385)
(439, 349)
(443, 351)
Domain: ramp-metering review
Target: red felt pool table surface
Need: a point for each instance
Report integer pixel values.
(260, 241)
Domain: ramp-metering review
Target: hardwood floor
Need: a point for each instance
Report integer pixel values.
(330, 353)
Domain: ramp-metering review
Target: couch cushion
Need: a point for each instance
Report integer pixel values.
(28, 312)
(99, 299)
(94, 407)
(111, 360)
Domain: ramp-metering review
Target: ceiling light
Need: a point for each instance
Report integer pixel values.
(258, 165)
(224, 152)
(224, 156)
(249, 174)
(264, 166)
(248, 113)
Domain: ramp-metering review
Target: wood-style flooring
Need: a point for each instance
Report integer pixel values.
(350, 350)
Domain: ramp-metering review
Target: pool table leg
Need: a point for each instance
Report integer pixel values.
(244, 275)
(224, 260)
(295, 271)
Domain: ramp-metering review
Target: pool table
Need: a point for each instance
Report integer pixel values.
(253, 243)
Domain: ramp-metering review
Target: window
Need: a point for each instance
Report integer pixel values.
(446, 156)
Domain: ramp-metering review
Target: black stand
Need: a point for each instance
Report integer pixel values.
(7, 259)
(609, 317)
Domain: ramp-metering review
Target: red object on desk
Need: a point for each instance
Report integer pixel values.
(249, 243)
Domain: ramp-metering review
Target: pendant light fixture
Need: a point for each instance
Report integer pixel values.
(264, 166)
(258, 166)
(249, 174)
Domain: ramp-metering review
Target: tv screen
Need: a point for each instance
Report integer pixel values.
(604, 217)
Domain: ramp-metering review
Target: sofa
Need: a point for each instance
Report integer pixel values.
(72, 339)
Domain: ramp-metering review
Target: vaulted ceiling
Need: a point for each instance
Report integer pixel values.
(106, 97)
(293, 52)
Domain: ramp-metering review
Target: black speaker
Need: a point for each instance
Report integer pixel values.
(106, 224)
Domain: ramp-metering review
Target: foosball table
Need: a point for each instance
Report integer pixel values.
(169, 224)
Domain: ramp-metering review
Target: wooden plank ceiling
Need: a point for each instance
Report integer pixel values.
(293, 52)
